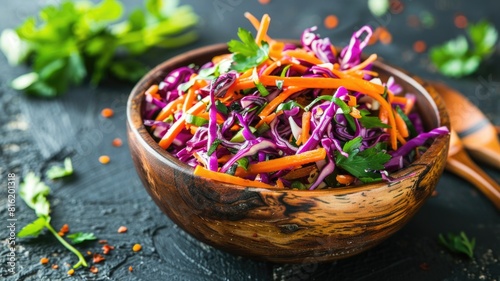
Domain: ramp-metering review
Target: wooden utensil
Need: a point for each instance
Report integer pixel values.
(460, 164)
(478, 135)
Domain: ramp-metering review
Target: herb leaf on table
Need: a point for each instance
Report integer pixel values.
(459, 57)
(72, 41)
(458, 243)
(56, 172)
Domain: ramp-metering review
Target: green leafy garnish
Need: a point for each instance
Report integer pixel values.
(458, 57)
(73, 40)
(195, 120)
(362, 164)
(458, 243)
(411, 129)
(247, 53)
(56, 172)
(34, 192)
(80, 237)
(370, 122)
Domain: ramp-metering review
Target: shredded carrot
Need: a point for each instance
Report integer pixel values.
(268, 119)
(179, 124)
(169, 109)
(255, 22)
(287, 162)
(279, 183)
(262, 31)
(226, 178)
(400, 138)
(364, 64)
(401, 125)
(355, 113)
(278, 100)
(306, 126)
(153, 91)
(352, 101)
(303, 55)
(345, 179)
(189, 100)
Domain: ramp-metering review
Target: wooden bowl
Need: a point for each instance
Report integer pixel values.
(285, 226)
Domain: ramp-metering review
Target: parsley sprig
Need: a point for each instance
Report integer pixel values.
(75, 40)
(458, 243)
(247, 53)
(458, 57)
(34, 192)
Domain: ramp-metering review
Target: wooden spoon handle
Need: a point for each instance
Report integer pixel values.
(460, 164)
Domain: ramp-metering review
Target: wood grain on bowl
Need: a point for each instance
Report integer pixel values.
(286, 226)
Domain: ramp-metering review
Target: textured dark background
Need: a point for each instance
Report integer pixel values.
(36, 133)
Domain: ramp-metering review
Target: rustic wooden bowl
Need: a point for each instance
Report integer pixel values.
(285, 226)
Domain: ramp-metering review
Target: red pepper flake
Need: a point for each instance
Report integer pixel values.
(331, 21)
(122, 229)
(117, 142)
(460, 21)
(424, 266)
(107, 112)
(55, 266)
(97, 258)
(396, 6)
(136, 247)
(419, 46)
(64, 228)
(130, 268)
(94, 269)
(107, 248)
(60, 233)
(384, 36)
(44, 260)
(71, 271)
(104, 159)
(102, 241)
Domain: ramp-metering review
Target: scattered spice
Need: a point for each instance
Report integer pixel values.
(55, 266)
(460, 21)
(396, 6)
(136, 247)
(71, 271)
(44, 260)
(384, 35)
(419, 46)
(122, 229)
(130, 268)
(107, 248)
(264, 2)
(434, 193)
(97, 258)
(331, 21)
(117, 142)
(89, 253)
(104, 159)
(60, 233)
(102, 241)
(94, 269)
(107, 112)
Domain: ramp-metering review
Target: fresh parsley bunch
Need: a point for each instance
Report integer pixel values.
(71, 41)
(458, 57)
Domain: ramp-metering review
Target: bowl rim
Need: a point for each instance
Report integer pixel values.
(136, 126)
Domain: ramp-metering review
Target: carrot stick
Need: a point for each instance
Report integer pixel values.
(279, 183)
(255, 22)
(262, 31)
(306, 126)
(189, 100)
(153, 91)
(170, 108)
(287, 162)
(226, 178)
(303, 55)
(268, 119)
(180, 123)
(278, 100)
(401, 125)
(370, 59)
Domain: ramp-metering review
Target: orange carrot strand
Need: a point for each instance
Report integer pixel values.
(226, 178)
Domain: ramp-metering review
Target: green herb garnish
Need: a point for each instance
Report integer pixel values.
(58, 172)
(458, 243)
(79, 237)
(362, 164)
(457, 58)
(247, 53)
(34, 192)
(73, 40)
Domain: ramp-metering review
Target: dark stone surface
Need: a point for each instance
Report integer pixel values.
(35, 134)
